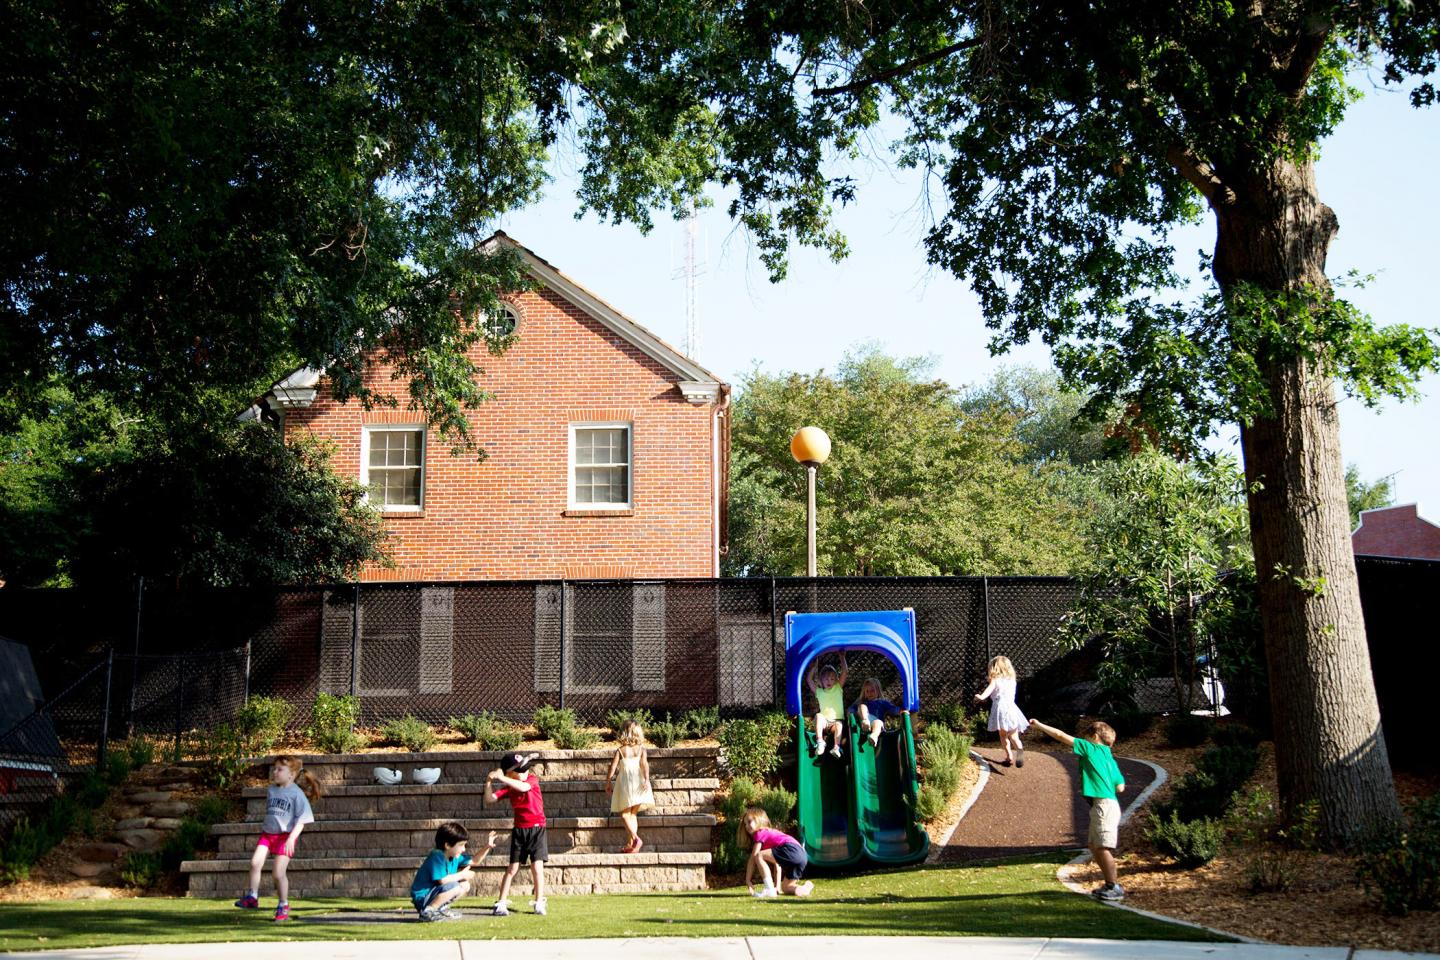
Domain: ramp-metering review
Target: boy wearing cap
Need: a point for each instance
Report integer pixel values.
(527, 838)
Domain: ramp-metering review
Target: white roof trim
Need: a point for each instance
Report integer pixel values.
(298, 389)
(627, 329)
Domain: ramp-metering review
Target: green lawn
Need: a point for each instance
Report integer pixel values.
(1016, 898)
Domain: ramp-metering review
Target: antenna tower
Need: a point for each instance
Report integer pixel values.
(691, 272)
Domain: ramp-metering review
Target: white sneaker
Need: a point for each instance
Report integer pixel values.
(835, 750)
(819, 747)
(805, 889)
(766, 893)
(501, 910)
(538, 906)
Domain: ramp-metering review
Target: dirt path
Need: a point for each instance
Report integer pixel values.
(1032, 810)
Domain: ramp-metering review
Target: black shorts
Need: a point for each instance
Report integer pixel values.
(792, 860)
(528, 844)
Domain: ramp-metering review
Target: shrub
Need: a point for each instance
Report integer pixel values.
(701, 722)
(944, 747)
(409, 732)
(944, 778)
(930, 803)
(1128, 721)
(488, 730)
(1252, 816)
(1302, 831)
(728, 856)
(778, 804)
(211, 809)
(138, 752)
(1234, 735)
(1187, 730)
(117, 768)
(742, 793)
(140, 869)
(182, 843)
(574, 738)
(1190, 843)
(1401, 872)
(228, 760)
(776, 725)
(667, 732)
(1271, 871)
(951, 715)
(92, 791)
(616, 719)
(332, 723)
(550, 720)
(748, 750)
(262, 721)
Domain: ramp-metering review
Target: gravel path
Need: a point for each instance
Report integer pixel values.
(1032, 810)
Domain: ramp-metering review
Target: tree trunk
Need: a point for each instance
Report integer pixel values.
(1328, 742)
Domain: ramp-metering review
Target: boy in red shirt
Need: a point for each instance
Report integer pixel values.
(527, 839)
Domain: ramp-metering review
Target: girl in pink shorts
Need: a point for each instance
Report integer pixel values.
(287, 810)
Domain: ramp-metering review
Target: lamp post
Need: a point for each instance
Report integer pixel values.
(811, 447)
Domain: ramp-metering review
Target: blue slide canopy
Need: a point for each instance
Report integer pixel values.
(887, 632)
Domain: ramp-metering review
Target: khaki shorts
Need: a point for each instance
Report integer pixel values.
(1104, 822)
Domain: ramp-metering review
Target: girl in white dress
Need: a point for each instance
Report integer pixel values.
(1005, 716)
(629, 782)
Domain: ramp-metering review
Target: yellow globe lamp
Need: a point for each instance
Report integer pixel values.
(810, 445)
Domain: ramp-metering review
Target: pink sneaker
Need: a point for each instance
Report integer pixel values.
(248, 902)
(282, 912)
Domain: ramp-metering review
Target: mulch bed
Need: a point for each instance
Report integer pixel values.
(1034, 809)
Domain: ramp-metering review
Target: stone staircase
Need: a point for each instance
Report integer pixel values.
(368, 838)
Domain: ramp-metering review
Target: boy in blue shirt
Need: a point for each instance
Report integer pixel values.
(1100, 782)
(445, 875)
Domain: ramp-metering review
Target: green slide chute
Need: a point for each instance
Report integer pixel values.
(828, 826)
(886, 788)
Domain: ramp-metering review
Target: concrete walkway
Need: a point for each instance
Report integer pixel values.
(746, 948)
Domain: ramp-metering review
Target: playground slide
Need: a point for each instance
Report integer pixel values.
(886, 785)
(827, 817)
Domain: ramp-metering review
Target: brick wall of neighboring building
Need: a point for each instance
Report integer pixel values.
(1396, 532)
(506, 517)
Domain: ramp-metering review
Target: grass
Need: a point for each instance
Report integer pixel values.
(1010, 899)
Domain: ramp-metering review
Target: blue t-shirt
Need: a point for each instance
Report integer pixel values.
(880, 709)
(433, 870)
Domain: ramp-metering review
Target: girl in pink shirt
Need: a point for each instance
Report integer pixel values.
(770, 848)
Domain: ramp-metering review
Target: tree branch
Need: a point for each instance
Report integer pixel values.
(1202, 175)
(899, 70)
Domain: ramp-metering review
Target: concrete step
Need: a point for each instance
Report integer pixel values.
(461, 766)
(459, 801)
(391, 876)
(399, 838)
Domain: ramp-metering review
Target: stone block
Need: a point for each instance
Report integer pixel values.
(589, 875)
(141, 839)
(148, 796)
(100, 852)
(89, 870)
(649, 875)
(173, 808)
(89, 893)
(134, 823)
(167, 823)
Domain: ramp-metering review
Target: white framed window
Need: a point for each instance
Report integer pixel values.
(600, 461)
(502, 322)
(392, 466)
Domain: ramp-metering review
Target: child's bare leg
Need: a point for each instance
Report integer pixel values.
(1005, 742)
(876, 727)
(819, 734)
(506, 880)
(257, 863)
(537, 877)
(837, 733)
(632, 823)
(282, 882)
(797, 888)
(1105, 857)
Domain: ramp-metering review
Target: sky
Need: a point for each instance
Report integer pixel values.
(1374, 171)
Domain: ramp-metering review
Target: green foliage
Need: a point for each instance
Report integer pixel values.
(1234, 735)
(742, 792)
(409, 732)
(138, 752)
(227, 757)
(1190, 843)
(616, 719)
(930, 803)
(915, 484)
(1187, 730)
(778, 804)
(1127, 721)
(575, 738)
(701, 721)
(1401, 871)
(1206, 792)
(749, 749)
(117, 768)
(1161, 546)
(141, 870)
(942, 755)
(31, 837)
(549, 721)
(1362, 496)
(262, 722)
(488, 730)
(182, 843)
(332, 722)
(211, 809)
(92, 791)
(667, 732)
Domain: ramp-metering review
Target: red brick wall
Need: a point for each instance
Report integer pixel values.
(1396, 532)
(505, 518)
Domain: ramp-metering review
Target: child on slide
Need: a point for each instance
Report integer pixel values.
(827, 683)
(872, 709)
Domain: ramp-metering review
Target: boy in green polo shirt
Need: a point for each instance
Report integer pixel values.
(1100, 781)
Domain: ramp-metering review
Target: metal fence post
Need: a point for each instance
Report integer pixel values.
(179, 701)
(562, 644)
(103, 741)
(355, 641)
(247, 672)
(774, 666)
(985, 588)
(135, 657)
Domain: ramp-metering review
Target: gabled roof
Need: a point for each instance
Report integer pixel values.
(627, 329)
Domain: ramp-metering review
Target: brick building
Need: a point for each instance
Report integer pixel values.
(607, 452)
(1396, 532)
